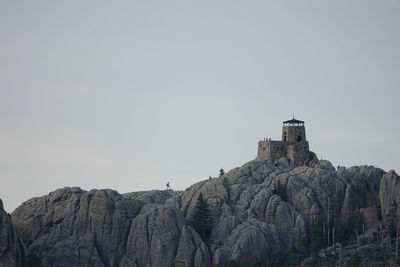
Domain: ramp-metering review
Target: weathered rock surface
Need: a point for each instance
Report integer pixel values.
(71, 227)
(390, 193)
(12, 250)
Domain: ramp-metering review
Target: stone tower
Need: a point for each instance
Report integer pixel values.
(293, 131)
(293, 145)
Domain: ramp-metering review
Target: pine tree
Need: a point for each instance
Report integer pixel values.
(355, 222)
(317, 236)
(201, 220)
(391, 219)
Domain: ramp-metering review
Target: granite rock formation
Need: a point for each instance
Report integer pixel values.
(263, 206)
(390, 194)
(12, 249)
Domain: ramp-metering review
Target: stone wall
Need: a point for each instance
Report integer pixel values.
(263, 150)
(270, 149)
(298, 153)
(278, 149)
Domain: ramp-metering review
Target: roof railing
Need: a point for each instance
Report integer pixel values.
(293, 124)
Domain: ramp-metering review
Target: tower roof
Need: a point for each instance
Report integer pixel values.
(293, 121)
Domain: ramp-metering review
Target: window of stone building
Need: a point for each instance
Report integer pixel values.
(284, 136)
(299, 138)
(264, 148)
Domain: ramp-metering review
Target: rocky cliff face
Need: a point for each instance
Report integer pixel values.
(12, 250)
(72, 227)
(390, 194)
(263, 206)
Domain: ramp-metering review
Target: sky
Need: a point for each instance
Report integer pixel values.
(130, 95)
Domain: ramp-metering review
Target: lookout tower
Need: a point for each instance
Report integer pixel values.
(293, 146)
(293, 131)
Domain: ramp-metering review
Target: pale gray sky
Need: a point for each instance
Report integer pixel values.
(131, 94)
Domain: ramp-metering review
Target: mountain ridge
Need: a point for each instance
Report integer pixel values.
(71, 226)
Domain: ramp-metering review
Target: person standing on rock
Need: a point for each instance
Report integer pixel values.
(168, 186)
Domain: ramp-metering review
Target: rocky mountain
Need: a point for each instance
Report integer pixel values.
(262, 208)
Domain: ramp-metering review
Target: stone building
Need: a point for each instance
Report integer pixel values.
(293, 146)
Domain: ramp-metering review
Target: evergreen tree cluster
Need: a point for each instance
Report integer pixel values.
(201, 219)
(343, 233)
(290, 260)
(391, 219)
